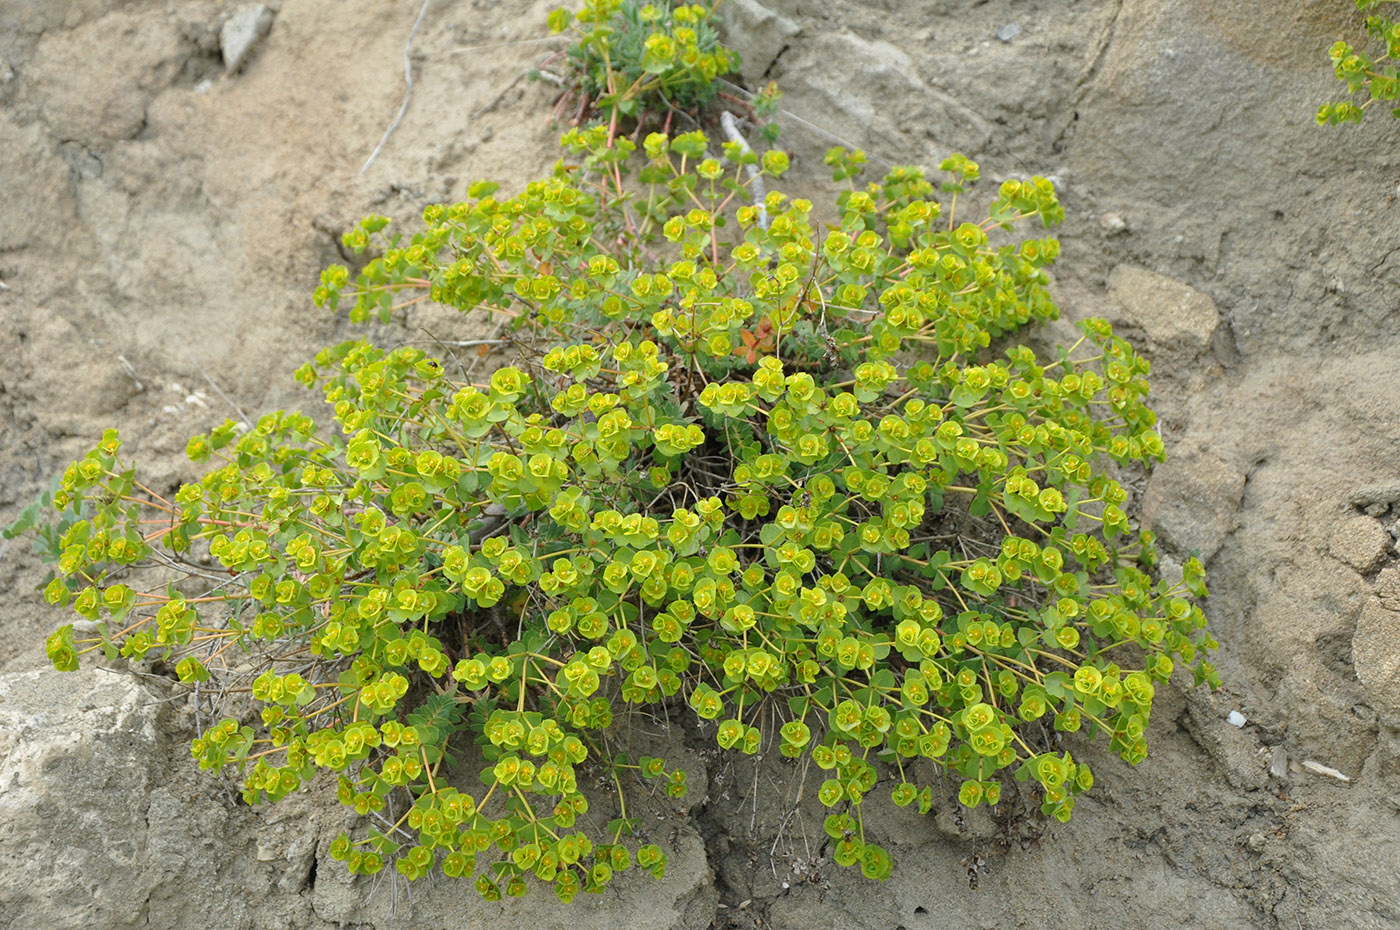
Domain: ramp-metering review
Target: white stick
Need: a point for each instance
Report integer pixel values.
(1317, 768)
(757, 192)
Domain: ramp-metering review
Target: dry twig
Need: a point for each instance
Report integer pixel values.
(408, 89)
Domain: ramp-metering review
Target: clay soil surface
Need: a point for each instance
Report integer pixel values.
(162, 224)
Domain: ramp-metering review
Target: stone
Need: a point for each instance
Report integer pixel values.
(1387, 586)
(248, 26)
(1113, 223)
(1008, 32)
(78, 760)
(1371, 495)
(1360, 542)
(81, 160)
(824, 100)
(300, 857)
(1191, 501)
(759, 35)
(1375, 654)
(1170, 569)
(1176, 319)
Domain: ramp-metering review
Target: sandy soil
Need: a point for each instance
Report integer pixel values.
(162, 224)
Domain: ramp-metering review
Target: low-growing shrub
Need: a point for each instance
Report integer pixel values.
(795, 478)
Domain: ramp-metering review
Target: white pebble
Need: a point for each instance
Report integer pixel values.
(1236, 719)
(1009, 31)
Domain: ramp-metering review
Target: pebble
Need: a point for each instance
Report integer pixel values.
(1236, 719)
(1278, 765)
(1361, 542)
(247, 27)
(1113, 223)
(1009, 31)
(1255, 842)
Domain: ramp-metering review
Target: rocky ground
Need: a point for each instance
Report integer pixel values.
(162, 219)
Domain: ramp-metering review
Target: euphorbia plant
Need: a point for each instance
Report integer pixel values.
(771, 471)
(1362, 73)
(632, 59)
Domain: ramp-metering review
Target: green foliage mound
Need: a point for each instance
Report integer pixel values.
(639, 60)
(1363, 74)
(742, 463)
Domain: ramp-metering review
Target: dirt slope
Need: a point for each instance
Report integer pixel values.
(161, 226)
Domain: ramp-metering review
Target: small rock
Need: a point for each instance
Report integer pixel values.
(248, 26)
(1361, 542)
(1191, 501)
(1255, 842)
(1387, 493)
(300, 857)
(1236, 719)
(1009, 31)
(758, 34)
(1278, 765)
(1113, 223)
(1176, 318)
(79, 757)
(1170, 569)
(1057, 182)
(1375, 655)
(81, 160)
(1387, 586)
